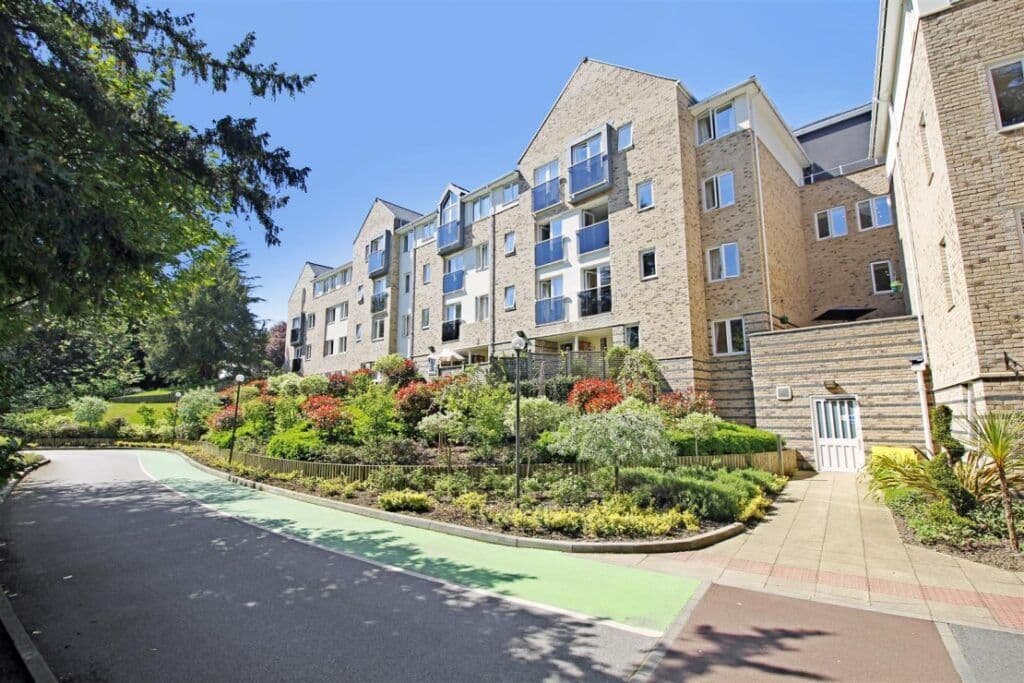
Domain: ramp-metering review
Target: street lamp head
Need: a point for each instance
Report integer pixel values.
(519, 341)
(177, 394)
(239, 378)
(223, 374)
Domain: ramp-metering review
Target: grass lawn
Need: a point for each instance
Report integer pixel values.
(130, 411)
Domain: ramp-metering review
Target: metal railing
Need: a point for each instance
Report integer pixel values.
(378, 302)
(378, 263)
(592, 237)
(453, 281)
(546, 194)
(550, 310)
(549, 251)
(588, 174)
(595, 301)
(816, 175)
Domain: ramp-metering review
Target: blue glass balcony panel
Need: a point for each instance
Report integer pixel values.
(592, 237)
(548, 251)
(546, 194)
(588, 173)
(449, 236)
(550, 310)
(453, 281)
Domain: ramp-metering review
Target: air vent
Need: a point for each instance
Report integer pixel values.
(783, 393)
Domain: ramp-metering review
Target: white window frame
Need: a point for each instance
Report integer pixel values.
(716, 181)
(482, 307)
(343, 310)
(360, 294)
(308, 351)
(992, 92)
(424, 318)
(382, 322)
(874, 282)
(328, 343)
(728, 337)
(643, 253)
(512, 251)
(711, 114)
(508, 288)
(406, 324)
(359, 332)
(831, 227)
(722, 262)
(330, 315)
(406, 242)
(638, 186)
(483, 256)
(310, 321)
(426, 273)
(509, 202)
(342, 345)
(618, 137)
(875, 224)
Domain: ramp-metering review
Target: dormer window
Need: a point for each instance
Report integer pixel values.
(716, 123)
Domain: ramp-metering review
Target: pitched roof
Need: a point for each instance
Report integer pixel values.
(318, 269)
(400, 212)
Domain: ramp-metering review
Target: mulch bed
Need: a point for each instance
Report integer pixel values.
(993, 553)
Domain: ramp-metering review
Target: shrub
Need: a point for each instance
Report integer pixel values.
(679, 404)
(594, 395)
(286, 384)
(332, 487)
(498, 484)
(312, 385)
(374, 417)
(259, 417)
(287, 413)
(639, 375)
(396, 370)
(416, 400)
(393, 450)
(614, 358)
(942, 476)
(89, 410)
(755, 508)
(936, 522)
(387, 479)
(766, 481)
(224, 419)
(728, 438)
(536, 415)
(480, 406)
(941, 418)
(327, 414)
(701, 427)
(359, 381)
(412, 501)
(296, 443)
(148, 415)
(194, 407)
(472, 503)
(452, 485)
(556, 388)
(707, 496)
(571, 490)
(338, 384)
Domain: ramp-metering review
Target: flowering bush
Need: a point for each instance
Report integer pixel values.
(338, 384)
(223, 420)
(679, 404)
(416, 400)
(594, 395)
(396, 370)
(327, 413)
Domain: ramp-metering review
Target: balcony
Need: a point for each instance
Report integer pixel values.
(454, 281)
(592, 237)
(378, 263)
(595, 301)
(449, 237)
(378, 302)
(296, 335)
(550, 310)
(450, 330)
(588, 176)
(547, 194)
(548, 251)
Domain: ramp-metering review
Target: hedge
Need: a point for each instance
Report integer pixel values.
(730, 438)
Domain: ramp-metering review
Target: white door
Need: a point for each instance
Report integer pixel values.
(837, 441)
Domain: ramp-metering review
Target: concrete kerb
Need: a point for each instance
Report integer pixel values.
(37, 667)
(641, 547)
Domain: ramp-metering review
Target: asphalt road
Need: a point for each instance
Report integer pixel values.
(120, 579)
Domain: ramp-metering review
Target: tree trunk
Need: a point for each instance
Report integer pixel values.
(1008, 509)
(616, 477)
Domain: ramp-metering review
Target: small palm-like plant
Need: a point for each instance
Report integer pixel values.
(999, 436)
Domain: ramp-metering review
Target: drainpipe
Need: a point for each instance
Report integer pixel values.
(493, 298)
(764, 229)
(412, 294)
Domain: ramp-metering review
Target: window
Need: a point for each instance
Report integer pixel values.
(407, 282)
(633, 336)
(509, 194)
(453, 264)
(346, 276)
(483, 307)
(318, 289)
(311, 320)
(550, 230)
(406, 324)
(648, 265)
(591, 147)
(453, 312)
(406, 240)
(428, 232)
(482, 207)
(718, 191)
(550, 288)
(724, 262)
(359, 294)
(831, 222)
(644, 195)
(330, 315)
(483, 256)
(1007, 82)
(510, 297)
(624, 137)
(716, 124)
(297, 323)
(307, 351)
(545, 173)
(425, 318)
(359, 332)
(377, 329)
(342, 344)
(510, 243)
(874, 213)
(450, 209)
(947, 272)
(426, 273)
(329, 347)
(380, 285)
(728, 337)
(881, 277)
(343, 310)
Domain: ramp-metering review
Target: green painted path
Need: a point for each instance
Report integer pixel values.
(634, 597)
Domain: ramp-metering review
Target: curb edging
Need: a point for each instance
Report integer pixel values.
(37, 668)
(620, 547)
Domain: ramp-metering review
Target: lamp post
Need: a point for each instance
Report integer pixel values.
(518, 344)
(174, 417)
(239, 378)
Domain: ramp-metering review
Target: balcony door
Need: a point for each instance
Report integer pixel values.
(599, 276)
(591, 147)
(450, 209)
(380, 286)
(453, 264)
(550, 288)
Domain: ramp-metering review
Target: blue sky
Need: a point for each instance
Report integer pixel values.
(412, 95)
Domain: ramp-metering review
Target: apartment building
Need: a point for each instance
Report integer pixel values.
(767, 265)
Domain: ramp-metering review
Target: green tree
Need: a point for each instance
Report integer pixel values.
(106, 195)
(89, 410)
(1000, 437)
(209, 327)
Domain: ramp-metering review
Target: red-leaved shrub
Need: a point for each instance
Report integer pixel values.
(417, 400)
(679, 404)
(222, 420)
(325, 412)
(594, 395)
